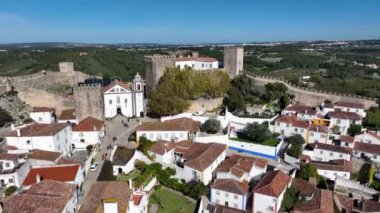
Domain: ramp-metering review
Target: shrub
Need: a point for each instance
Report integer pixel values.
(28, 120)
(296, 145)
(211, 126)
(290, 198)
(257, 132)
(354, 129)
(5, 117)
(307, 171)
(10, 190)
(89, 149)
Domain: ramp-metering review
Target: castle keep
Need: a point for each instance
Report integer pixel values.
(88, 101)
(155, 66)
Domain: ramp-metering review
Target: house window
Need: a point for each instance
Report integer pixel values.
(236, 197)
(356, 153)
(10, 180)
(331, 154)
(341, 155)
(217, 201)
(159, 136)
(82, 140)
(322, 135)
(181, 135)
(7, 165)
(278, 124)
(138, 87)
(302, 130)
(321, 152)
(143, 135)
(118, 100)
(39, 119)
(59, 147)
(338, 121)
(345, 175)
(287, 125)
(81, 134)
(172, 135)
(28, 142)
(166, 135)
(151, 136)
(226, 194)
(357, 110)
(125, 101)
(295, 129)
(110, 101)
(57, 137)
(335, 174)
(374, 156)
(311, 134)
(217, 192)
(235, 205)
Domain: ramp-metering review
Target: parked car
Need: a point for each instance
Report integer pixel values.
(94, 166)
(198, 113)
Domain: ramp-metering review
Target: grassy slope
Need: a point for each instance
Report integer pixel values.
(172, 202)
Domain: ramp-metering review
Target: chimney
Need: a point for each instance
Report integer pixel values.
(12, 127)
(38, 178)
(94, 128)
(130, 183)
(18, 132)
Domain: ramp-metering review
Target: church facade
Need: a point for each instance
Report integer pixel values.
(122, 98)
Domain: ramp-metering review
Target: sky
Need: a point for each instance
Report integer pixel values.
(187, 21)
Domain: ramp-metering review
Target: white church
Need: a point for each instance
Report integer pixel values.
(122, 98)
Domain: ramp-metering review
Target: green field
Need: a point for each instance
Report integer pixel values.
(170, 202)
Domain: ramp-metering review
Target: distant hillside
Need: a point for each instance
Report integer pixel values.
(91, 60)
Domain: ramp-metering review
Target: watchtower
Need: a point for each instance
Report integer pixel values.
(233, 60)
(66, 67)
(88, 101)
(155, 66)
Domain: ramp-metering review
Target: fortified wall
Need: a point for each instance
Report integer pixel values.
(155, 66)
(314, 97)
(88, 101)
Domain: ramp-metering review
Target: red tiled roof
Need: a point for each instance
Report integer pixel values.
(44, 155)
(43, 109)
(137, 199)
(322, 202)
(160, 147)
(203, 160)
(201, 59)
(68, 114)
(367, 147)
(45, 196)
(179, 124)
(115, 82)
(230, 185)
(350, 105)
(273, 184)
(373, 134)
(10, 157)
(333, 165)
(317, 128)
(303, 187)
(238, 164)
(347, 138)
(344, 201)
(89, 124)
(371, 206)
(58, 173)
(333, 148)
(344, 115)
(301, 109)
(37, 129)
(293, 120)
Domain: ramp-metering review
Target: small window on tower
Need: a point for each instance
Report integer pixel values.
(125, 101)
(138, 87)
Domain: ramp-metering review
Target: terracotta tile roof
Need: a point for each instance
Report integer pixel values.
(37, 129)
(317, 128)
(293, 120)
(333, 165)
(273, 184)
(303, 187)
(44, 155)
(115, 82)
(67, 161)
(301, 109)
(201, 59)
(103, 190)
(333, 148)
(367, 147)
(89, 124)
(345, 201)
(45, 196)
(350, 105)
(373, 134)
(43, 109)
(122, 155)
(203, 160)
(10, 157)
(344, 115)
(301, 124)
(58, 173)
(230, 185)
(371, 206)
(239, 165)
(347, 138)
(160, 147)
(137, 199)
(322, 202)
(179, 124)
(67, 114)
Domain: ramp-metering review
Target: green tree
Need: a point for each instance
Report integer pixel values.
(257, 132)
(5, 117)
(211, 126)
(296, 145)
(10, 190)
(89, 149)
(284, 100)
(307, 171)
(290, 198)
(364, 173)
(145, 145)
(354, 129)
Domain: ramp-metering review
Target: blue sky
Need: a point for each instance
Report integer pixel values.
(187, 21)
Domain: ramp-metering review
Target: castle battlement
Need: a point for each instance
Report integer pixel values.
(88, 86)
(150, 58)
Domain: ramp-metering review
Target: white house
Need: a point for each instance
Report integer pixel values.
(13, 170)
(333, 169)
(197, 63)
(191, 160)
(90, 131)
(68, 116)
(44, 196)
(125, 99)
(230, 193)
(171, 130)
(357, 108)
(72, 174)
(40, 158)
(347, 141)
(289, 125)
(43, 115)
(317, 134)
(138, 202)
(55, 137)
(304, 113)
(327, 152)
(368, 137)
(369, 150)
(343, 120)
(269, 192)
(241, 168)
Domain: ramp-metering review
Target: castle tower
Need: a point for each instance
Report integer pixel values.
(66, 67)
(88, 101)
(138, 96)
(155, 66)
(233, 60)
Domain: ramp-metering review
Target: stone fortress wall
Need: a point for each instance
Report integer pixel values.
(88, 101)
(155, 66)
(314, 97)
